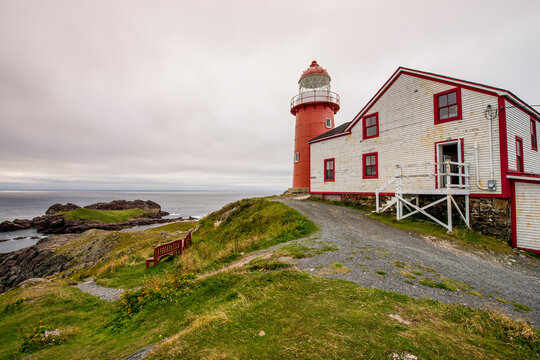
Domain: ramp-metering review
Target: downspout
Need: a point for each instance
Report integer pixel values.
(477, 169)
(489, 116)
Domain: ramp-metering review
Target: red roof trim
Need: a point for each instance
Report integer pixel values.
(469, 85)
(423, 75)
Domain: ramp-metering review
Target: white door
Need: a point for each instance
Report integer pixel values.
(528, 215)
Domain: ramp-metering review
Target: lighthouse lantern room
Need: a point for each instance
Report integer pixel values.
(314, 107)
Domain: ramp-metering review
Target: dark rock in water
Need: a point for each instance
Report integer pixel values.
(56, 208)
(17, 224)
(2, 240)
(20, 238)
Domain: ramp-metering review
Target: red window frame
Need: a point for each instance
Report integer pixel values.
(365, 127)
(326, 162)
(437, 108)
(519, 155)
(534, 135)
(364, 165)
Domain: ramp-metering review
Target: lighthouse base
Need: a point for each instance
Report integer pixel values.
(297, 191)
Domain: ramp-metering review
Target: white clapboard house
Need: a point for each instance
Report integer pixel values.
(470, 147)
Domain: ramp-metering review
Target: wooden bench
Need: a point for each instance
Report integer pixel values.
(170, 248)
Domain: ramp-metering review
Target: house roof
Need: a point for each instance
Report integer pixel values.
(430, 76)
(334, 131)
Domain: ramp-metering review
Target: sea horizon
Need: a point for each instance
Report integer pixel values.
(27, 204)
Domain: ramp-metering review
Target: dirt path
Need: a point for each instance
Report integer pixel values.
(376, 255)
(104, 293)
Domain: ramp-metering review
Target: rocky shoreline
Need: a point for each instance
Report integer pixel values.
(42, 259)
(54, 221)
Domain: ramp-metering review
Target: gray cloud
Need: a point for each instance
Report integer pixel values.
(175, 94)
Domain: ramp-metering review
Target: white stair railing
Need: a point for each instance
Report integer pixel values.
(442, 171)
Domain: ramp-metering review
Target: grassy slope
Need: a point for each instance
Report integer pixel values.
(105, 216)
(221, 316)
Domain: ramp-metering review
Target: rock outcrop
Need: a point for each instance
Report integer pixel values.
(17, 224)
(55, 254)
(54, 222)
(56, 208)
(35, 261)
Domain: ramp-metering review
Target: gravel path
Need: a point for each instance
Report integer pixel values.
(367, 246)
(104, 293)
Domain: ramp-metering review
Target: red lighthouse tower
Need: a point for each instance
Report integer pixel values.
(314, 108)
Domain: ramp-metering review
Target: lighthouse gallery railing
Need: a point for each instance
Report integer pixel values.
(315, 96)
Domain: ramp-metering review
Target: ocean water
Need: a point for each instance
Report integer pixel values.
(29, 204)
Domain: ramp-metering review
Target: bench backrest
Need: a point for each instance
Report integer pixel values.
(168, 248)
(176, 245)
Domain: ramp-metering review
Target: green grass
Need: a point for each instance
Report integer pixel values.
(520, 307)
(437, 284)
(305, 249)
(262, 264)
(221, 316)
(243, 226)
(446, 283)
(406, 274)
(105, 216)
(302, 316)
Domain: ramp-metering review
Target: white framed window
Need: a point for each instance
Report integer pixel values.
(328, 123)
(296, 157)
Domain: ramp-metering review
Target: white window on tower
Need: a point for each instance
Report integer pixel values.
(328, 123)
(296, 157)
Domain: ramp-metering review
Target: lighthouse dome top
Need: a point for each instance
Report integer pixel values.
(314, 68)
(314, 78)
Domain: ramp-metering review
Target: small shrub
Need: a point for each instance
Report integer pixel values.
(35, 338)
(436, 284)
(269, 265)
(132, 301)
(520, 307)
(11, 307)
(381, 272)
(407, 274)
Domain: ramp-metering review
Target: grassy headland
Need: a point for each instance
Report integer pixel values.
(105, 216)
(263, 310)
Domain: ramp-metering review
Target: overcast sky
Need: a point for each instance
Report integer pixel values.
(154, 95)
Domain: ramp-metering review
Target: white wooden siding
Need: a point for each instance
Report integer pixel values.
(518, 123)
(527, 215)
(407, 135)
